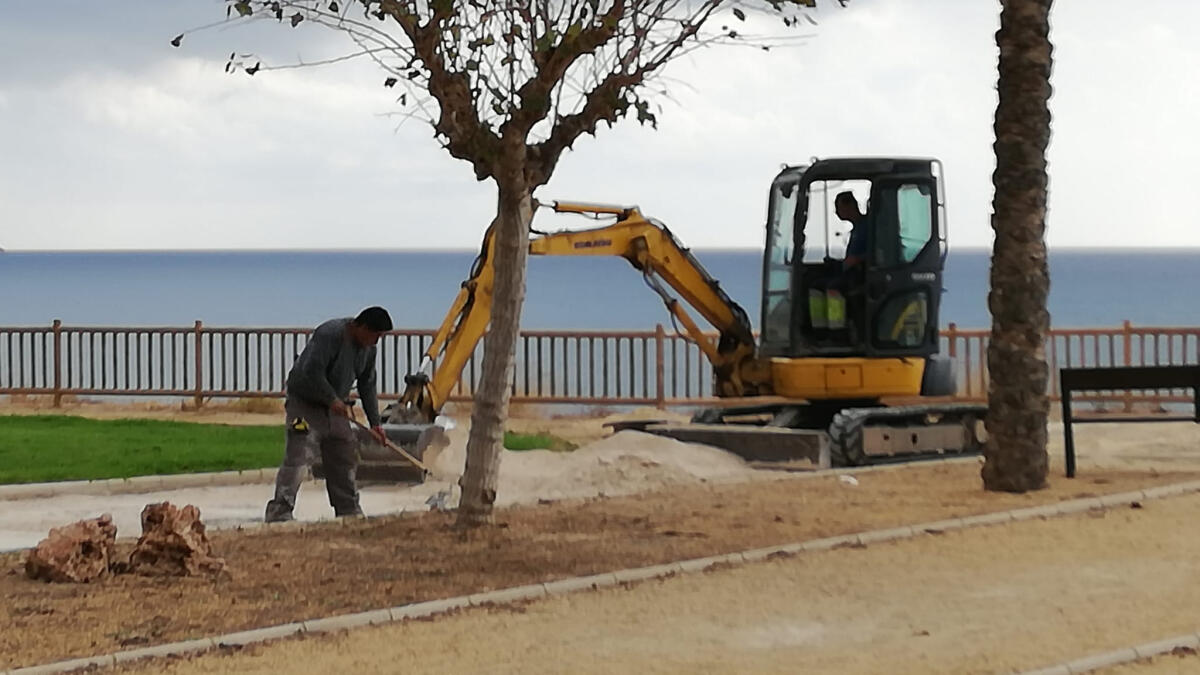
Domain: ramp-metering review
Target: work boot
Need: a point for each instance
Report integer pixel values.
(355, 513)
(278, 512)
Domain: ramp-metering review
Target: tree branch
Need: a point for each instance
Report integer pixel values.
(466, 137)
(534, 96)
(606, 102)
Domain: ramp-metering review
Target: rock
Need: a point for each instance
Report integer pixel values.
(173, 543)
(79, 552)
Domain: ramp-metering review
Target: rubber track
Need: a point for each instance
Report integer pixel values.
(846, 437)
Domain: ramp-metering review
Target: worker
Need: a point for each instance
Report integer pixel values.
(846, 207)
(828, 296)
(339, 352)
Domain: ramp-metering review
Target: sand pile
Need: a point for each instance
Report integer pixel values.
(624, 463)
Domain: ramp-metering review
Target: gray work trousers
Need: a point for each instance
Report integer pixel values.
(337, 439)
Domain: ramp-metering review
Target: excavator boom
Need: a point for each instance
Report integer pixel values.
(651, 248)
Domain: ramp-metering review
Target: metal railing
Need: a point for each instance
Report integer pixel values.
(577, 367)
(1124, 345)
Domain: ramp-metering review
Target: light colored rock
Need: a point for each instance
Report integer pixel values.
(173, 543)
(79, 552)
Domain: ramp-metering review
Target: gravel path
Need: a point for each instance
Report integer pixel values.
(994, 599)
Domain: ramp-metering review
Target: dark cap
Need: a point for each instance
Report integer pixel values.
(375, 318)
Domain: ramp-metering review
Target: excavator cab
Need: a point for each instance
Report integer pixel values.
(820, 299)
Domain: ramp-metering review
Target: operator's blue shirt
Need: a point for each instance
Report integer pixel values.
(857, 246)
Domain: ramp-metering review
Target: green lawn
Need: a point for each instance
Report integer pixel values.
(60, 447)
(537, 441)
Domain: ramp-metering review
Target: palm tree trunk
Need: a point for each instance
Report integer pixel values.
(511, 248)
(1018, 404)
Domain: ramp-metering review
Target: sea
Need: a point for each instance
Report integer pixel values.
(1089, 288)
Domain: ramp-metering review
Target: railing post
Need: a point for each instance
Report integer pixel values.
(199, 397)
(952, 351)
(660, 389)
(57, 327)
(1127, 328)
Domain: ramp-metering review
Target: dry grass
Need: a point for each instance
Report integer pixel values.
(37, 402)
(327, 569)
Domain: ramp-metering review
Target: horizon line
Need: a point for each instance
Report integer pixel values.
(731, 249)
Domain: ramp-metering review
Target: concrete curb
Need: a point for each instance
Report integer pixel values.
(1119, 657)
(632, 575)
(137, 484)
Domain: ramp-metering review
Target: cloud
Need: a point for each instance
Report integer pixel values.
(182, 155)
(124, 142)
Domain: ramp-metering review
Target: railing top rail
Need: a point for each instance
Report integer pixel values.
(1060, 332)
(965, 332)
(1163, 330)
(950, 331)
(127, 329)
(592, 333)
(232, 330)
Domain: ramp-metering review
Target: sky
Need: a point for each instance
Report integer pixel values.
(112, 139)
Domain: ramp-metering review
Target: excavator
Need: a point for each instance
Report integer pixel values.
(846, 368)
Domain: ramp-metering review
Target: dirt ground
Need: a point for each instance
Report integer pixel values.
(328, 569)
(987, 600)
(242, 411)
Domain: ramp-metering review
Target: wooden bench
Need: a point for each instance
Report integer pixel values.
(1124, 378)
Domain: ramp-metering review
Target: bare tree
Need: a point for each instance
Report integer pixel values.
(508, 86)
(1018, 405)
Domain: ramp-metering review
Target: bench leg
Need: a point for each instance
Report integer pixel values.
(1068, 437)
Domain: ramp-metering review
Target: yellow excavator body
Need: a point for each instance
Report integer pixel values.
(816, 383)
(846, 378)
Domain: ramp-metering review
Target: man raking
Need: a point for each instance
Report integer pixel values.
(339, 353)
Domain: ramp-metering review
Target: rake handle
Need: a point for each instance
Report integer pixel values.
(393, 447)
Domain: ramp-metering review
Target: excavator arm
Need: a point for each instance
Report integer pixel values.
(651, 248)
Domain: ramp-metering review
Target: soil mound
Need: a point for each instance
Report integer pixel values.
(624, 463)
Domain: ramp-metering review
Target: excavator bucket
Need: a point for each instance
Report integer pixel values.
(378, 463)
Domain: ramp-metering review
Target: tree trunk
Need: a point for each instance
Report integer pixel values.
(1018, 404)
(511, 247)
